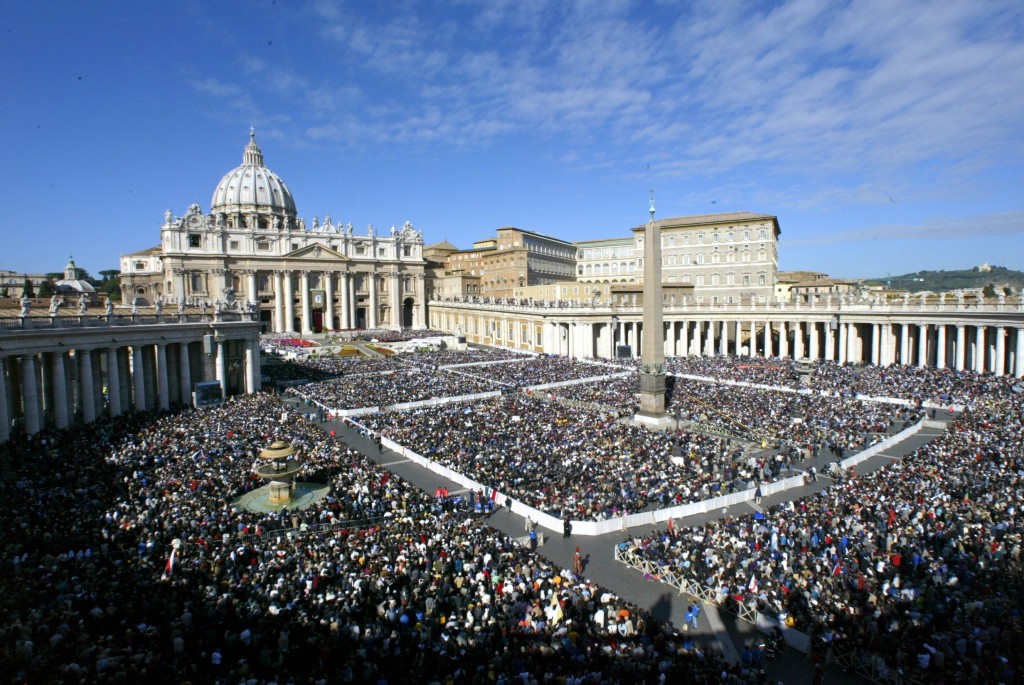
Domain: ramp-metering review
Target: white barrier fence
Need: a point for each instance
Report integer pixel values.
(645, 518)
(576, 381)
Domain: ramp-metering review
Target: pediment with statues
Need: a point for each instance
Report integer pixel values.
(316, 252)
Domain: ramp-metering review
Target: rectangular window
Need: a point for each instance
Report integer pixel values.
(195, 240)
(263, 246)
(140, 266)
(233, 245)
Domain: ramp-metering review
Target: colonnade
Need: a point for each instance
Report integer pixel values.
(60, 377)
(305, 300)
(980, 341)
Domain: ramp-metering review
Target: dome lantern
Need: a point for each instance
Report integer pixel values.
(252, 188)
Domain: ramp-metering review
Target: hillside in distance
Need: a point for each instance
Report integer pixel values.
(939, 281)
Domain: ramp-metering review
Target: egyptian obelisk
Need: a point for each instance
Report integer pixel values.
(652, 350)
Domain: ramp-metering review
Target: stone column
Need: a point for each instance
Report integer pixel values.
(161, 374)
(889, 341)
(184, 373)
(150, 373)
(353, 318)
(395, 296)
(876, 344)
(739, 337)
(222, 371)
(113, 382)
(279, 326)
(345, 298)
(905, 344)
(60, 389)
(752, 341)
(421, 301)
(252, 354)
(30, 394)
(844, 341)
(124, 378)
(768, 352)
(798, 339)
(723, 342)
(5, 410)
(252, 286)
(328, 300)
(709, 340)
(138, 378)
(961, 346)
(999, 368)
(784, 339)
(88, 395)
(1018, 356)
(683, 347)
(922, 344)
(289, 301)
(940, 346)
(371, 320)
(979, 349)
(307, 310)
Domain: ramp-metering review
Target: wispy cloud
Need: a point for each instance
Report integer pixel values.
(800, 87)
(1003, 224)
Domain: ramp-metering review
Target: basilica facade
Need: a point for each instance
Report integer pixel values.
(252, 251)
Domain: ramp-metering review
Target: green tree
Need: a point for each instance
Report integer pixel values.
(45, 289)
(988, 291)
(1008, 291)
(27, 289)
(111, 284)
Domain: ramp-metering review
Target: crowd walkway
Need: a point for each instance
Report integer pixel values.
(723, 634)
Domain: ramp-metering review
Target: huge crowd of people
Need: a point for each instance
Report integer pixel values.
(126, 557)
(375, 583)
(918, 563)
(916, 383)
(574, 462)
(411, 384)
(540, 370)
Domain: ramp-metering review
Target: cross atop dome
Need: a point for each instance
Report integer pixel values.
(252, 153)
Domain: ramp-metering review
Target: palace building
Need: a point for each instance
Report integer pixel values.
(252, 248)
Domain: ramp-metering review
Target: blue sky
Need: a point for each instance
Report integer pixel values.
(887, 136)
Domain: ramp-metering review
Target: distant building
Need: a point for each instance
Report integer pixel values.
(612, 260)
(14, 281)
(515, 259)
(802, 286)
(72, 283)
(727, 258)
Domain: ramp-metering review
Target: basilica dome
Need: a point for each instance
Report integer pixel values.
(252, 187)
